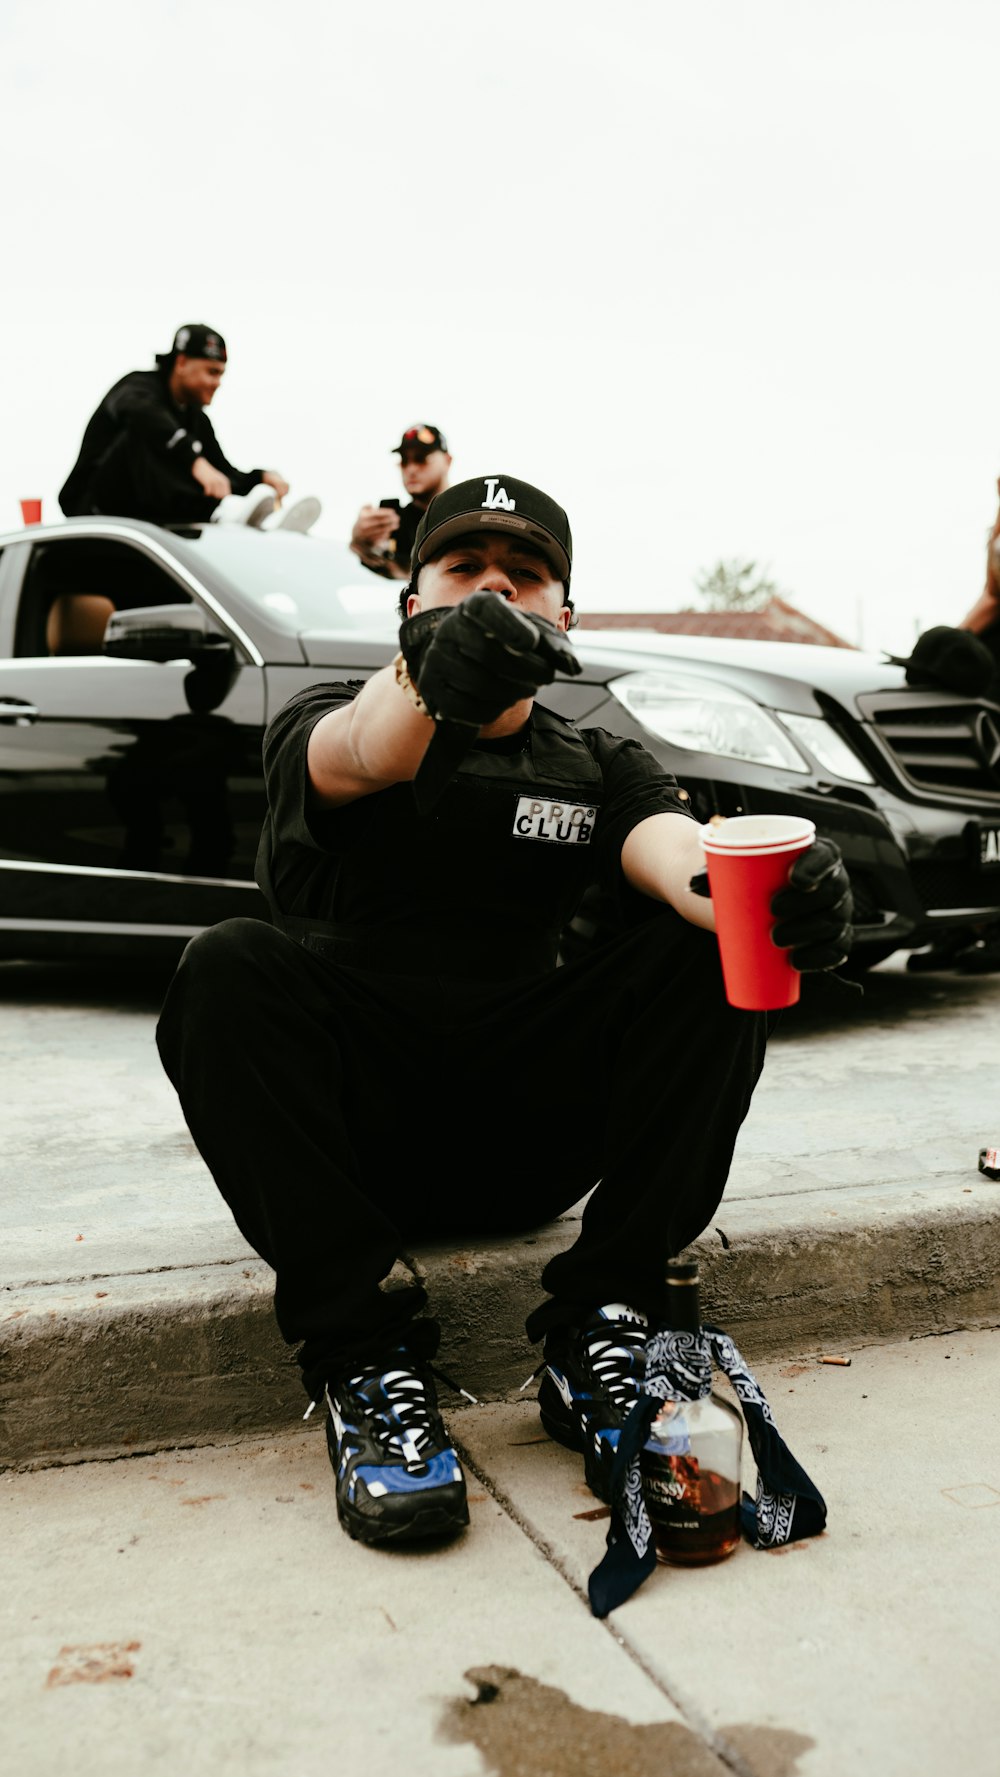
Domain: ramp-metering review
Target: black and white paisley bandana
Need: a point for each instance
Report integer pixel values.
(787, 1508)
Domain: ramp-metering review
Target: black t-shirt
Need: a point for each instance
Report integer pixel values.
(469, 885)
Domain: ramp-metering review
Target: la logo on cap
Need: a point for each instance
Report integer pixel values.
(497, 497)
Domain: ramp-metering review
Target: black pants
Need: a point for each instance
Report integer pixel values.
(344, 1114)
(133, 481)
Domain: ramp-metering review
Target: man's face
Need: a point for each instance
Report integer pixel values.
(486, 562)
(195, 380)
(424, 475)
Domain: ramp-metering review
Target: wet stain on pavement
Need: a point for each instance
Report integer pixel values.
(93, 1664)
(523, 1728)
(771, 1752)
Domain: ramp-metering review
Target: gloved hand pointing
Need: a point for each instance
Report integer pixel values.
(474, 660)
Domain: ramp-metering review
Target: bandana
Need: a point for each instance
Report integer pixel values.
(787, 1508)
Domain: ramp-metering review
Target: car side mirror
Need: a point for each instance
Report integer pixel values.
(163, 632)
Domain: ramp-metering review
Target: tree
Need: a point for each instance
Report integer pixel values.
(735, 586)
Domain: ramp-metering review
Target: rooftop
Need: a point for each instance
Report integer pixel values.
(777, 621)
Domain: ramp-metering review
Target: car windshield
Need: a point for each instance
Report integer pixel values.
(300, 582)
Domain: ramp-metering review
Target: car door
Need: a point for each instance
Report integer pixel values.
(130, 791)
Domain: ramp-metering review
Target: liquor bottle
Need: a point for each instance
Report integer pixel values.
(690, 1463)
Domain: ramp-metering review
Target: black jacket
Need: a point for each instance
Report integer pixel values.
(141, 405)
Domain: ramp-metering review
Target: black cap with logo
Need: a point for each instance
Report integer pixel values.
(195, 340)
(420, 441)
(501, 504)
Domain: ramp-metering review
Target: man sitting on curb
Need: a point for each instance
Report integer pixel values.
(150, 450)
(398, 1056)
(383, 535)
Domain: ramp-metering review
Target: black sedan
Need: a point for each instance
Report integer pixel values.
(138, 666)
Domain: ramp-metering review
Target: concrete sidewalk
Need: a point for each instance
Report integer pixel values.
(201, 1611)
(134, 1316)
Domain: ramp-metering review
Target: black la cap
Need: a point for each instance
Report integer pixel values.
(502, 504)
(196, 340)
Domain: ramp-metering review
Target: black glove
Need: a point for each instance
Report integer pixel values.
(814, 912)
(416, 633)
(477, 658)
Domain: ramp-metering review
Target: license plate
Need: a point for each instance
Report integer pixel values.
(986, 837)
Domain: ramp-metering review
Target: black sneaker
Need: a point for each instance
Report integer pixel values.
(397, 1474)
(593, 1375)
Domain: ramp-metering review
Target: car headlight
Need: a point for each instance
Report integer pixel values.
(826, 745)
(707, 717)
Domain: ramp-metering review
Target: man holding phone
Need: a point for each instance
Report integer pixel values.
(383, 534)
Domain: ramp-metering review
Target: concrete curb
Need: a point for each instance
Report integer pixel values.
(192, 1355)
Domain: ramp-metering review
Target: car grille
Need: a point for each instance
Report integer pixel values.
(954, 884)
(951, 746)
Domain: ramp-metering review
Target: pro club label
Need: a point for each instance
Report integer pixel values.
(566, 823)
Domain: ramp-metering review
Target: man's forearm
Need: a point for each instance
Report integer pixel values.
(379, 564)
(659, 858)
(377, 740)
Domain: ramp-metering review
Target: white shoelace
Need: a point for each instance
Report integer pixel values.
(612, 1351)
(407, 1422)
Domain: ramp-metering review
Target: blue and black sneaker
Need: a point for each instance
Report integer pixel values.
(397, 1474)
(593, 1374)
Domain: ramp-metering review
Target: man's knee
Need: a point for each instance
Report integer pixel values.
(218, 977)
(233, 946)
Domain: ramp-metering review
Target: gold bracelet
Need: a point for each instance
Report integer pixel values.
(406, 684)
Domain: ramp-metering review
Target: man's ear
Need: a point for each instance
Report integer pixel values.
(412, 604)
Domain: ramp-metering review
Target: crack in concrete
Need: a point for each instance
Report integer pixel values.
(250, 1261)
(723, 1751)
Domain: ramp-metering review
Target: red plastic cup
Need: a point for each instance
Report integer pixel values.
(748, 859)
(31, 511)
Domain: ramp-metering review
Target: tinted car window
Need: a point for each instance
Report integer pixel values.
(72, 586)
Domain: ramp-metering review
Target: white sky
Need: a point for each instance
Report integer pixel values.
(722, 277)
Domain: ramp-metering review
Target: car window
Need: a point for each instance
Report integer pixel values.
(298, 582)
(73, 585)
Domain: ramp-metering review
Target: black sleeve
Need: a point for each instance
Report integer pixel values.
(141, 406)
(242, 479)
(299, 843)
(293, 818)
(635, 787)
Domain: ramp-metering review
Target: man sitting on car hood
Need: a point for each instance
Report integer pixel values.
(150, 450)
